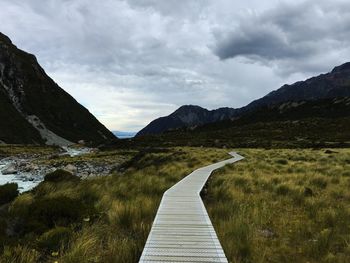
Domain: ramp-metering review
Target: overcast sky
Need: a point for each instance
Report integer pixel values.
(131, 61)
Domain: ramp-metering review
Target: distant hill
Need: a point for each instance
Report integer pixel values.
(34, 109)
(335, 84)
(314, 123)
(186, 116)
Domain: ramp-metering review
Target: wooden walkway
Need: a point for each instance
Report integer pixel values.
(182, 230)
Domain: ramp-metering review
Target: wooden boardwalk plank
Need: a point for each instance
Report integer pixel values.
(182, 230)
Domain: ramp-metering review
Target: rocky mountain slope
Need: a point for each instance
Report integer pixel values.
(186, 116)
(335, 84)
(34, 109)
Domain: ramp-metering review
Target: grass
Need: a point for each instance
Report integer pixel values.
(103, 219)
(277, 205)
(16, 149)
(112, 157)
(283, 205)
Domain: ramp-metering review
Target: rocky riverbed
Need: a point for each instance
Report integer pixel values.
(28, 170)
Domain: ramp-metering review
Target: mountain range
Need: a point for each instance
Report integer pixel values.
(332, 85)
(35, 110)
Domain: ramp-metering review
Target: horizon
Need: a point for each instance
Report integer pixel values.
(192, 53)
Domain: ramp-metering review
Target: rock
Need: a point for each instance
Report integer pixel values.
(49, 170)
(9, 169)
(71, 168)
(53, 156)
(30, 167)
(22, 164)
(81, 142)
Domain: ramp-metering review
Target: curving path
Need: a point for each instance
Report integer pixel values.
(182, 230)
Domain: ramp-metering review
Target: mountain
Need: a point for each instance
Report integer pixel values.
(331, 85)
(335, 84)
(34, 109)
(314, 123)
(186, 116)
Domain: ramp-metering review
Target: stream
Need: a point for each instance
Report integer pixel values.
(26, 180)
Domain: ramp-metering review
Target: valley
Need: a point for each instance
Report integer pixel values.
(74, 191)
(279, 203)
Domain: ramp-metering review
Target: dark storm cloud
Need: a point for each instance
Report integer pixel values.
(288, 33)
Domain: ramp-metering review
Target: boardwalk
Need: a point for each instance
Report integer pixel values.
(182, 230)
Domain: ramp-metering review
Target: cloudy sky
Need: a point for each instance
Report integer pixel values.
(130, 61)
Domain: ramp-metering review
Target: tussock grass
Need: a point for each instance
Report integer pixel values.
(273, 206)
(102, 219)
(283, 206)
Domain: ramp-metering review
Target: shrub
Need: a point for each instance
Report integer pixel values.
(60, 176)
(54, 239)
(8, 192)
(59, 210)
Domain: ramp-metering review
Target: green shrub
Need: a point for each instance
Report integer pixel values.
(60, 176)
(8, 192)
(54, 239)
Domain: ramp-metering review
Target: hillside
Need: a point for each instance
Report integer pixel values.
(335, 84)
(319, 123)
(35, 109)
(186, 116)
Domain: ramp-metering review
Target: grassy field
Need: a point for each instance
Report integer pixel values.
(283, 206)
(273, 206)
(105, 219)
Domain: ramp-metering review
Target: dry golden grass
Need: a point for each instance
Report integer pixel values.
(121, 207)
(283, 206)
(273, 206)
